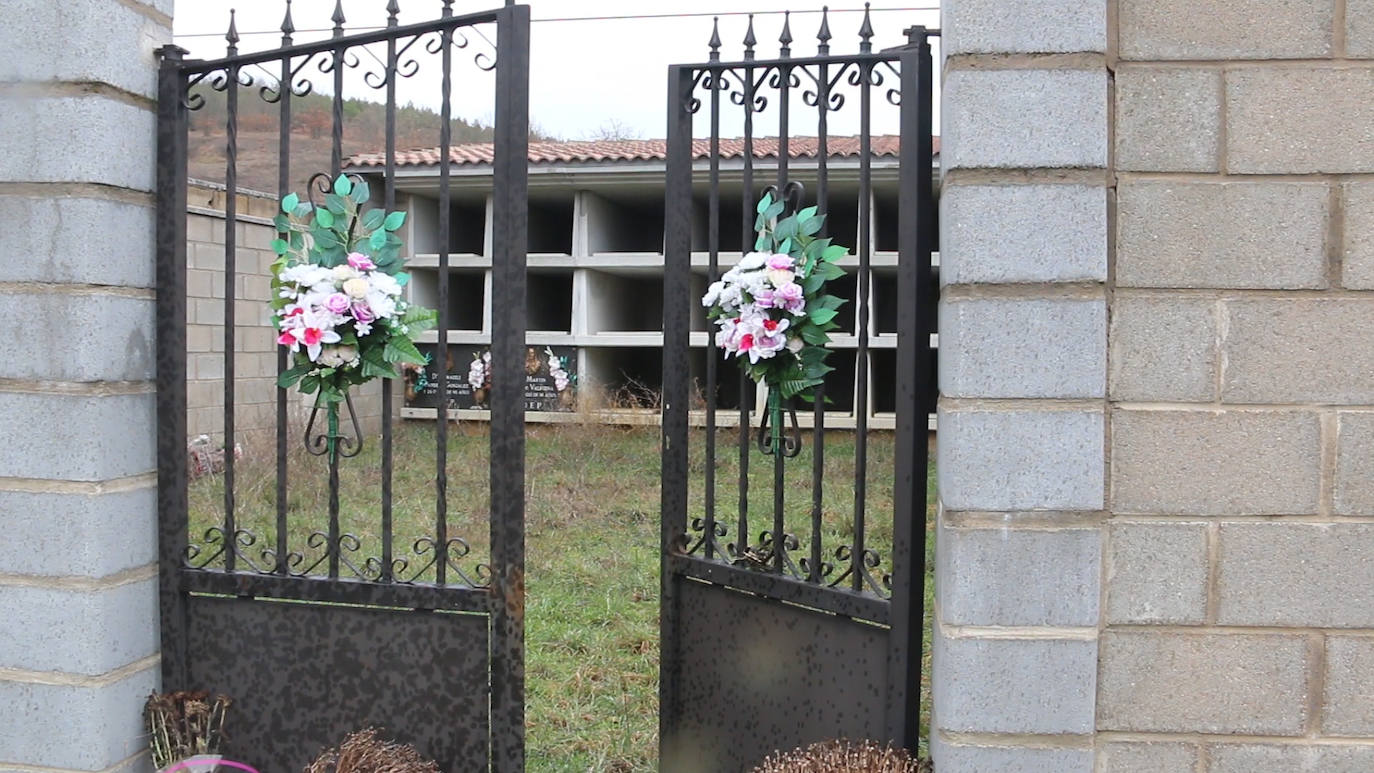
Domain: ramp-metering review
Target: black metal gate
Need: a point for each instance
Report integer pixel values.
(772, 638)
(317, 636)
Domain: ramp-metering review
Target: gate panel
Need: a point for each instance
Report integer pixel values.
(754, 669)
(785, 622)
(312, 630)
(422, 676)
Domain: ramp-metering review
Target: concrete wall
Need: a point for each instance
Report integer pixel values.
(1157, 505)
(255, 348)
(78, 588)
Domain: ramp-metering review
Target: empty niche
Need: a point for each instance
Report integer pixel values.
(624, 302)
(728, 388)
(628, 378)
(624, 220)
(548, 306)
(467, 292)
(467, 224)
(551, 223)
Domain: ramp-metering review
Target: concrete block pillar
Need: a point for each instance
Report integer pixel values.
(1023, 381)
(78, 588)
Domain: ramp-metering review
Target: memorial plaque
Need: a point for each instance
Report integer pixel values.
(550, 378)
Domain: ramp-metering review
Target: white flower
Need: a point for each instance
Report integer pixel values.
(385, 283)
(779, 276)
(752, 261)
(343, 273)
(356, 288)
(338, 356)
(382, 305)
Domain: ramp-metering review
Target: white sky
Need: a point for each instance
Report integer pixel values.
(584, 75)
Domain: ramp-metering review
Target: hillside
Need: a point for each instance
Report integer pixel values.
(258, 124)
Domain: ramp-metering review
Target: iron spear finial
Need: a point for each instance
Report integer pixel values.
(448, 9)
(338, 18)
(233, 34)
(749, 39)
(287, 25)
(786, 37)
(866, 34)
(393, 9)
(715, 39)
(824, 35)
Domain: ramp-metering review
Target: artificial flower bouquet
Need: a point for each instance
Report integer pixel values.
(337, 285)
(772, 308)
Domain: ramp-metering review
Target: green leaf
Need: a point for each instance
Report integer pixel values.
(763, 242)
(343, 185)
(807, 213)
(820, 316)
(360, 193)
(288, 378)
(377, 240)
(325, 238)
(774, 210)
(279, 246)
(814, 336)
(302, 209)
(288, 204)
(828, 271)
(786, 247)
(336, 204)
(395, 220)
(834, 252)
(786, 229)
(324, 218)
(282, 222)
(812, 283)
(764, 203)
(310, 383)
(372, 219)
(828, 302)
(402, 278)
(401, 349)
(810, 226)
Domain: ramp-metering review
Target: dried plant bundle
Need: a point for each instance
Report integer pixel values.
(366, 752)
(184, 724)
(843, 757)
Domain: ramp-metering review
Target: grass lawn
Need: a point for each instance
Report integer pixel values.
(592, 546)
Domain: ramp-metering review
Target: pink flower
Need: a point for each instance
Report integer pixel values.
(286, 339)
(780, 262)
(746, 342)
(337, 303)
(790, 297)
(360, 262)
(362, 312)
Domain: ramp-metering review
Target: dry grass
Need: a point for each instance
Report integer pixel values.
(592, 533)
(367, 752)
(843, 757)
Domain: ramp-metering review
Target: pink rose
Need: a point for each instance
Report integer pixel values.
(363, 313)
(360, 262)
(337, 303)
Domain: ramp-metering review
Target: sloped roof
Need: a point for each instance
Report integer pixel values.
(602, 151)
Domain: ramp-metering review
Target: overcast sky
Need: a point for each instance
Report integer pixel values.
(585, 75)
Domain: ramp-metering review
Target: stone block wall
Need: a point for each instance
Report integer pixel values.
(1157, 413)
(78, 579)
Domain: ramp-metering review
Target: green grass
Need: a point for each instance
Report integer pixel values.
(592, 534)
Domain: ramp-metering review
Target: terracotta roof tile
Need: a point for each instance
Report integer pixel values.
(633, 150)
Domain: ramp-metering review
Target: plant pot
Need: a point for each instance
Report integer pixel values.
(200, 763)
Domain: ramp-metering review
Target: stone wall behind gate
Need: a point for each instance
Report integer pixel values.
(1157, 527)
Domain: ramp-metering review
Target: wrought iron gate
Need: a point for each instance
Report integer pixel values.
(318, 636)
(773, 639)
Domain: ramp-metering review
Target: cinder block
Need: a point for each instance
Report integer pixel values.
(82, 42)
(1290, 758)
(1163, 349)
(1273, 348)
(1023, 26)
(72, 239)
(1157, 573)
(968, 758)
(1023, 233)
(1020, 460)
(1357, 266)
(1024, 119)
(1234, 462)
(1224, 29)
(1300, 120)
(81, 437)
(81, 632)
(1347, 709)
(1003, 576)
(1296, 574)
(1006, 347)
(71, 727)
(117, 142)
(81, 535)
(99, 338)
(1254, 684)
(1359, 28)
(1167, 120)
(1014, 685)
(1232, 235)
(1147, 757)
(1354, 480)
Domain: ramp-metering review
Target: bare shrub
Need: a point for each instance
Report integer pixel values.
(366, 752)
(844, 757)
